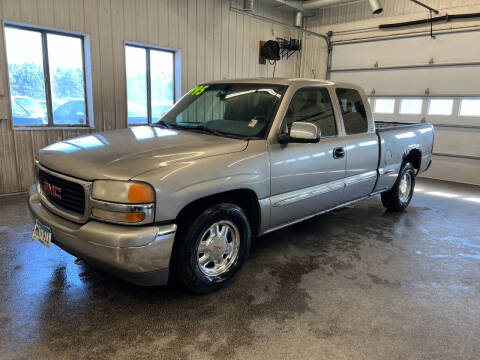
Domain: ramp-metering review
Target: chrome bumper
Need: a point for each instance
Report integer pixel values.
(139, 254)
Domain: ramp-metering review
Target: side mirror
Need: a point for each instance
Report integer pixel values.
(301, 132)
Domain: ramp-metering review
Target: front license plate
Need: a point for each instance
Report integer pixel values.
(42, 234)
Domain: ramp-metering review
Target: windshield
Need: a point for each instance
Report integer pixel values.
(239, 110)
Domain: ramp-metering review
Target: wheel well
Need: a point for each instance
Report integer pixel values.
(414, 157)
(244, 198)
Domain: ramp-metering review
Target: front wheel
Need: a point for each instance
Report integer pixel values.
(212, 249)
(398, 198)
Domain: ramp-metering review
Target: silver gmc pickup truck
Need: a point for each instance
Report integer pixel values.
(183, 197)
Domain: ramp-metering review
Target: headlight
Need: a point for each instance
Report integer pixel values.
(123, 192)
(123, 202)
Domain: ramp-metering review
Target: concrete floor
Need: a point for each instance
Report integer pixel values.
(358, 283)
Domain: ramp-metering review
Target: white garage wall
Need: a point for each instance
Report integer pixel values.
(345, 19)
(353, 22)
(406, 71)
(214, 43)
(457, 138)
(450, 75)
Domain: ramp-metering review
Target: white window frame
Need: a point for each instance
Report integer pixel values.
(406, 98)
(87, 77)
(395, 105)
(461, 100)
(452, 120)
(452, 111)
(177, 78)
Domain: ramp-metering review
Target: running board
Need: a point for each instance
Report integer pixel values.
(322, 212)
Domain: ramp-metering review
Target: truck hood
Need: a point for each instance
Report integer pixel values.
(125, 153)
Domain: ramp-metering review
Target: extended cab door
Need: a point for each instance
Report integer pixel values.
(362, 147)
(307, 178)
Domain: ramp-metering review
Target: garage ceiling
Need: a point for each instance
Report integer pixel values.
(290, 6)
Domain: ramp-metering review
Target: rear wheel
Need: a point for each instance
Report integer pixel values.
(212, 249)
(398, 198)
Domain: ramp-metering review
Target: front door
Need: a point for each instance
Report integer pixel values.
(308, 178)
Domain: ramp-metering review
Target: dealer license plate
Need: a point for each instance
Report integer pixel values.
(42, 233)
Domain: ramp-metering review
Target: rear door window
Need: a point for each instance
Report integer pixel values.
(353, 111)
(313, 105)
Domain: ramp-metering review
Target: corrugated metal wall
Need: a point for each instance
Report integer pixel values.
(214, 42)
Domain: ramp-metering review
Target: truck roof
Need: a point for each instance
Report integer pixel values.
(280, 81)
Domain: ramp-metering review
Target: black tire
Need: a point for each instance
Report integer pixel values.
(185, 263)
(393, 199)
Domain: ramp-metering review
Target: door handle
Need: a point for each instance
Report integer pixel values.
(338, 153)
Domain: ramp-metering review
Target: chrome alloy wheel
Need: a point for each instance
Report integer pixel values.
(218, 248)
(405, 187)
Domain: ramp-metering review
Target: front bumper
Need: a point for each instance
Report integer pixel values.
(138, 254)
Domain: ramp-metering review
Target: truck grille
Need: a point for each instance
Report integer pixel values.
(70, 196)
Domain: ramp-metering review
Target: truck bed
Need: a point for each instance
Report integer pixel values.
(397, 140)
(390, 125)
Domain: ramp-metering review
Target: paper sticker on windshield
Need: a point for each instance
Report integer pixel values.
(252, 123)
(198, 90)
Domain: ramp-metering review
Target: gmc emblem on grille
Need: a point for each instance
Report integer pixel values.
(52, 190)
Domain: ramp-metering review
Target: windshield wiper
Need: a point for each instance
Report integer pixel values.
(162, 124)
(206, 129)
(201, 127)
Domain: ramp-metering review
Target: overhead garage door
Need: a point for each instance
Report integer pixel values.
(416, 78)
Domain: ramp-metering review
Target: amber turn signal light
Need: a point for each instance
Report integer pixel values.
(134, 217)
(140, 193)
(118, 217)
